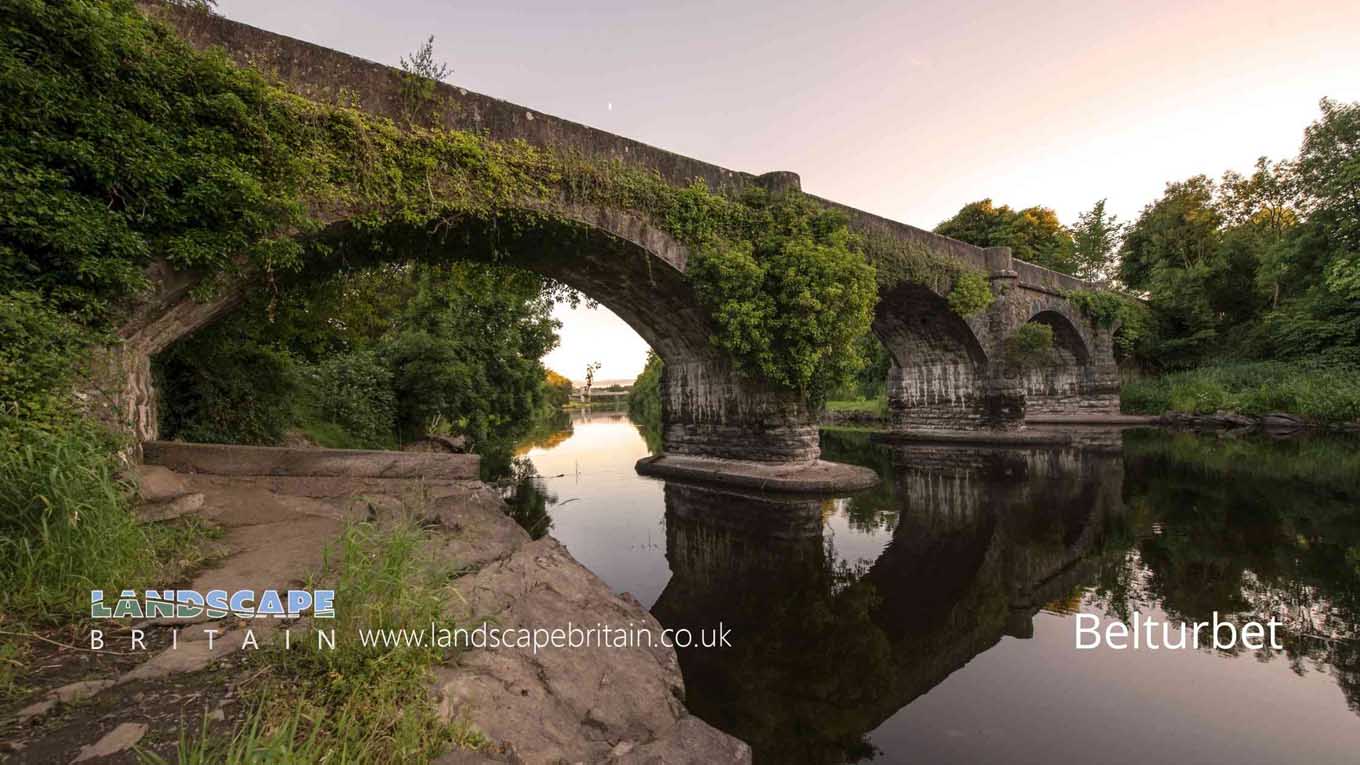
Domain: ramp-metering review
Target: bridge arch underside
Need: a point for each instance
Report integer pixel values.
(1071, 381)
(937, 380)
(622, 262)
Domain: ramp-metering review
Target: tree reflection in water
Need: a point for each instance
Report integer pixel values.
(982, 540)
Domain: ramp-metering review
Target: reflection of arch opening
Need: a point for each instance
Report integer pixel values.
(1068, 345)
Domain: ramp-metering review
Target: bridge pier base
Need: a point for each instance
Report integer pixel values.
(721, 428)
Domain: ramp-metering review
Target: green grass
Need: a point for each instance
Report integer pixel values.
(66, 528)
(875, 406)
(331, 435)
(1323, 395)
(352, 704)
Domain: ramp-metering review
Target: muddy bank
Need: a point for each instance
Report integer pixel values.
(576, 705)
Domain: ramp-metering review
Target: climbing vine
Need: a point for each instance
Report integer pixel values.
(1106, 309)
(971, 294)
(121, 145)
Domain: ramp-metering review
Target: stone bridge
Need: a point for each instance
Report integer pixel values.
(949, 372)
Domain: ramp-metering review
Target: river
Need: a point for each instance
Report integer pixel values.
(933, 619)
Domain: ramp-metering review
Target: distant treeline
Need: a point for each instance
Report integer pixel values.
(1257, 266)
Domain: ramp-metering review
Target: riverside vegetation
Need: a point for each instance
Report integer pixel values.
(121, 146)
(1248, 286)
(1239, 294)
(352, 703)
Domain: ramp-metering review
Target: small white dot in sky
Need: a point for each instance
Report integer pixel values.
(610, 106)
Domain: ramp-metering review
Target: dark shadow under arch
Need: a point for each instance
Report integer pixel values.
(1067, 339)
(917, 326)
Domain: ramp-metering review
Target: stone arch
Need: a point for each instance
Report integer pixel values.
(1062, 386)
(1069, 346)
(938, 361)
(613, 256)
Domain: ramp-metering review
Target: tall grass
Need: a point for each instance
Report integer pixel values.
(353, 703)
(1321, 394)
(66, 526)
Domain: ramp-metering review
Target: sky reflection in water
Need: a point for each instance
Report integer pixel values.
(930, 620)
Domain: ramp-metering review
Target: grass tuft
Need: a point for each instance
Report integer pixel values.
(66, 527)
(353, 703)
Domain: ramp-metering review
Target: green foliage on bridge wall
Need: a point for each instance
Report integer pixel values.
(971, 293)
(789, 293)
(1031, 345)
(1108, 309)
(38, 346)
(120, 145)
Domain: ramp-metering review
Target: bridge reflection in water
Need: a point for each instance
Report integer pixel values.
(930, 620)
(826, 651)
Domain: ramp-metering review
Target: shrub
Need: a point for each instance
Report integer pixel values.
(220, 388)
(1030, 345)
(971, 293)
(791, 299)
(38, 349)
(354, 391)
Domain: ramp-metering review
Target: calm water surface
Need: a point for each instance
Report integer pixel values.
(932, 619)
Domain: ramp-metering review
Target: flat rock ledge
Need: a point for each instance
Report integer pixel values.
(977, 437)
(221, 459)
(587, 704)
(816, 477)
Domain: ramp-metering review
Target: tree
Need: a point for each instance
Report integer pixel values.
(1033, 234)
(1261, 210)
(1180, 230)
(1095, 243)
(559, 389)
(1329, 179)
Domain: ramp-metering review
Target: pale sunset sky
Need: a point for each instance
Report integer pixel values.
(905, 109)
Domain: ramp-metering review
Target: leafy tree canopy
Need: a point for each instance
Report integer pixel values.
(1033, 234)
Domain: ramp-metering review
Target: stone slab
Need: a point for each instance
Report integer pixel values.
(816, 477)
(978, 437)
(120, 739)
(1092, 419)
(559, 704)
(223, 459)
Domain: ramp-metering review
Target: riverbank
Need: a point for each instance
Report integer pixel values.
(392, 545)
(1266, 396)
(1323, 397)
